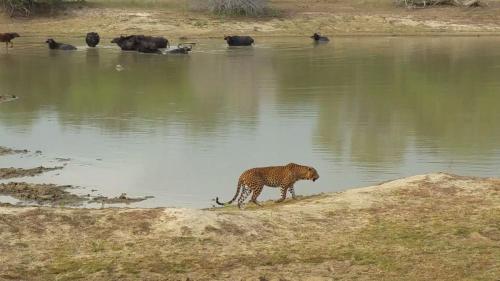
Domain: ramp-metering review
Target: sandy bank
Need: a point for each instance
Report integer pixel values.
(427, 227)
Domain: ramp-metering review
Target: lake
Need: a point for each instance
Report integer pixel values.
(183, 128)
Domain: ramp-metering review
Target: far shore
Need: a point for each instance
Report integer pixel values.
(333, 18)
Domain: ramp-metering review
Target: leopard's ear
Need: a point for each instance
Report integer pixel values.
(291, 164)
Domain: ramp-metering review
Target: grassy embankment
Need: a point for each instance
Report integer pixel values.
(430, 227)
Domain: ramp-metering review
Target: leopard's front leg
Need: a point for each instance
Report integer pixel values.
(292, 191)
(284, 189)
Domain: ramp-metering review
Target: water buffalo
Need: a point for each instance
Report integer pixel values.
(7, 37)
(126, 43)
(149, 44)
(319, 38)
(53, 45)
(160, 42)
(239, 40)
(147, 49)
(92, 39)
(141, 43)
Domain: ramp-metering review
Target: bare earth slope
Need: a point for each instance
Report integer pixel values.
(427, 227)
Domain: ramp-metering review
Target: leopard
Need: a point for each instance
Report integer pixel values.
(252, 181)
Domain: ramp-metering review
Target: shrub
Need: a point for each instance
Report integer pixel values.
(428, 3)
(231, 7)
(28, 7)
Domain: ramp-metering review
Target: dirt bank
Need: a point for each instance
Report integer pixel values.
(428, 227)
(291, 18)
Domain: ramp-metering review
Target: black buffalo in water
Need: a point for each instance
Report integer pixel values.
(239, 40)
(318, 38)
(141, 43)
(126, 43)
(53, 45)
(92, 39)
(152, 42)
(147, 49)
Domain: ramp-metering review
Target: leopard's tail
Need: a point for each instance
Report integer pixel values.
(238, 189)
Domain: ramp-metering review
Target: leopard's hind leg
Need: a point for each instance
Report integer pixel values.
(243, 196)
(256, 193)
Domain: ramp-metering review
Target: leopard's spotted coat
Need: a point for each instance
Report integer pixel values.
(284, 177)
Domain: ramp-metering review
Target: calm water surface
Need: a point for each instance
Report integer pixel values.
(183, 128)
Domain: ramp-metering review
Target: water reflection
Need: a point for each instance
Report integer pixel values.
(360, 110)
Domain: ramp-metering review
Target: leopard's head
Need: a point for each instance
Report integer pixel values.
(312, 174)
(304, 172)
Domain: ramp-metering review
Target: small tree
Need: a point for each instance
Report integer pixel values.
(28, 7)
(428, 3)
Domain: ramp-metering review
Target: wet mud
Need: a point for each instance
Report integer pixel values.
(9, 173)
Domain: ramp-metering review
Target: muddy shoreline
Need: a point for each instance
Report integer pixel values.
(54, 195)
(9, 173)
(49, 194)
(7, 151)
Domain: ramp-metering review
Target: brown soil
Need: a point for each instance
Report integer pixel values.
(8, 173)
(427, 227)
